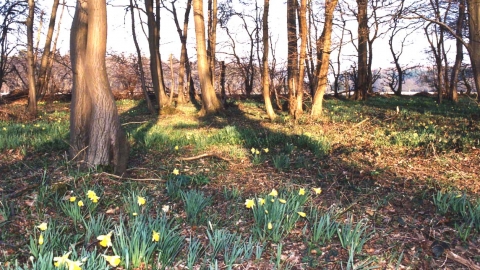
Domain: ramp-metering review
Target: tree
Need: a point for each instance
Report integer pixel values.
(32, 94)
(362, 70)
(95, 131)
(324, 59)
(292, 58)
(210, 102)
(265, 73)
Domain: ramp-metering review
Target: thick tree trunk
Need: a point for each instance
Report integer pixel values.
(95, 125)
(362, 75)
(326, 37)
(32, 94)
(292, 58)
(265, 74)
(210, 102)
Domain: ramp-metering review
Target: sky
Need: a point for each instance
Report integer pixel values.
(119, 35)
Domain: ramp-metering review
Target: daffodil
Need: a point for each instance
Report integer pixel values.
(141, 200)
(105, 240)
(249, 203)
(282, 201)
(58, 261)
(176, 171)
(270, 226)
(134, 214)
(73, 198)
(80, 203)
(112, 260)
(317, 190)
(73, 265)
(261, 201)
(176, 147)
(302, 214)
(91, 194)
(40, 239)
(165, 208)
(265, 150)
(43, 226)
(301, 191)
(274, 193)
(257, 152)
(252, 150)
(155, 236)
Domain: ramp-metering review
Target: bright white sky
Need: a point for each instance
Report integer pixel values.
(119, 35)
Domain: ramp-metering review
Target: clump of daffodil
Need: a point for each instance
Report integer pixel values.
(274, 193)
(249, 203)
(92, 196)
(112, 260)
(176, 171)
(155, 236)
(141, 200)
(105, 240)
(317, 190)
(43, 226)
(301, 191)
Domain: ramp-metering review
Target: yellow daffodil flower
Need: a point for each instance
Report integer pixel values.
(80, 203)
(40, 240)
(270, 226)
(176, 171)
(176, 147)
(282, 201)
(257, 152)
(73, 265)
(91, 194)
(134, 214)
(155, 236)
(274, 193)
(317, 190)
(141, 200)
(73, 198)
(105, 240)
(252, 150)
(266, 211)
(249, 203)
(261, 201)
(95, 199)
(301, 191)
(58, 261)
(302, 214)
(112, 260)
(265, 150)
(43, 226)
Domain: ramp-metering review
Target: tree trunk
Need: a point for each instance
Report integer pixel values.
(265, 74)
(212, 37)
(32, 94)
(42, 73)
(210, 102)
(172, 85)
(326, 37)
(292, 58)
(302, 20)
(95, 126)
(140, 62)
(362, 75)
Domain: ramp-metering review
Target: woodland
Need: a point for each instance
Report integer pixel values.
(231, 155)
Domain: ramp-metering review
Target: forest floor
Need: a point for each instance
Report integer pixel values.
(400, 173)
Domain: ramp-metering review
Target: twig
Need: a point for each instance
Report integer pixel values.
(205, 155)
(361, 122)
(130, 123)
(466, 262)
(131, 179)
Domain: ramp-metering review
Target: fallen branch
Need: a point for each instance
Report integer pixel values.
(131, 179)
(466, 262)
(130, 123)
(205, 155)
(361, 122)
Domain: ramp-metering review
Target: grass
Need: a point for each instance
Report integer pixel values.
(393, 182)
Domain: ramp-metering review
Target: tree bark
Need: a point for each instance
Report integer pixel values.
(474, 45)
(95, 125)
(326, 37)
(302, 20)
(32, 94)
(265, 74)
(292, 58)
(362, 75)
(212, 37)
(210, 102)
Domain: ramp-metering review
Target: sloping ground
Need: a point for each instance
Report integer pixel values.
(374, 162)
